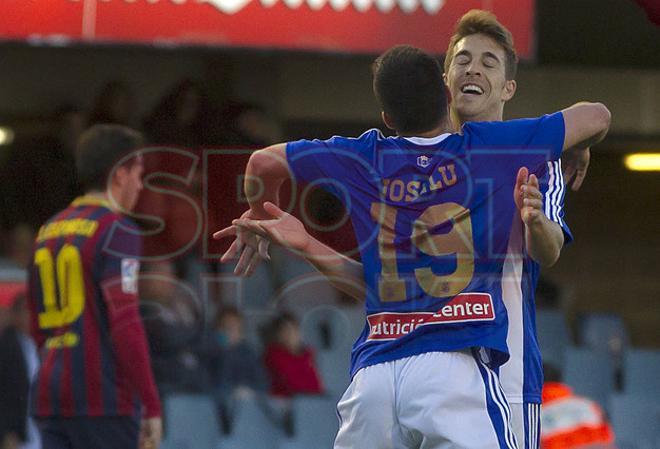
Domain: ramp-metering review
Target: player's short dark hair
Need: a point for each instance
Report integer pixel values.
(408, 85)
(99, 149)
(478, 21)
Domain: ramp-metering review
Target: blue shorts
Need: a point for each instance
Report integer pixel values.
(104, 432)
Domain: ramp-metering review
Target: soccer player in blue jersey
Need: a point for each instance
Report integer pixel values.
(434, 253)
(480, 72)
(94, 388)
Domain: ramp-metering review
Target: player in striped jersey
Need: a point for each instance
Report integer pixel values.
(95, 382)
(408, 321)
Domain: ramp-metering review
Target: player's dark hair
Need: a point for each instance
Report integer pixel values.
(408, 85)
(99, 149)
(478, 21)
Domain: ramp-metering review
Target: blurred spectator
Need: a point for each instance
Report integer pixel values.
(39, 176)
(173, 325)
(14, 379)
(569, 421)
(21, 320)
(235, 364)
(290, 364)
(236, 370)
(548, 294)
(114, 104)
(247, 124)
(16, 253)
(181, 118)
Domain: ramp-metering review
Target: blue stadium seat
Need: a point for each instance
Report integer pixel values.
(635, 421)
(315, 423)
(590, 373)
(326, 327)
(251, 427)
(604, 332)
(641, 375)
(334, 367)
(553, 335)
(191, 422)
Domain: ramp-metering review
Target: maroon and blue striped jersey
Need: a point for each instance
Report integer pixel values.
(82, 291)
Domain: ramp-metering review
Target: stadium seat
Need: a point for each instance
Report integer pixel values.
(315, 423)
(635, 421)
(604, 332)
(334, 367)
(191, 422)
(590, 373)
(641, 375)
(553, 335)
(327, 328)
(251, 427)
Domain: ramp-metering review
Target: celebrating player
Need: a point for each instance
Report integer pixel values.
(480, 68)
(433, 253)
(95, 369)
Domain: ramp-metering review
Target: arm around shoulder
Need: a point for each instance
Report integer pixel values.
(585, 124)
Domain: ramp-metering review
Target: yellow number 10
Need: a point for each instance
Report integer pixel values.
(458, 241)
(70, 282)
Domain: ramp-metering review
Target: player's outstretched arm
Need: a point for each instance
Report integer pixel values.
(543, 237)
(344, 273)
(585, 125)
(266, 171)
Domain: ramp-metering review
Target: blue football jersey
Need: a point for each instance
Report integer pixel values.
(434, 220)
(522, 375)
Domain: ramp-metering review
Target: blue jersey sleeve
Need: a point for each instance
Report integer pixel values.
(337, 164)
(543, 133)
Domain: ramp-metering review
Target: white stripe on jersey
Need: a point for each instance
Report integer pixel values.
(558, 193)
(555, 192)
(513, 371)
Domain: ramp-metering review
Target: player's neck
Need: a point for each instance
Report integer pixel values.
(442, 128)
(103, 197)
(97, 194)
(485, 116)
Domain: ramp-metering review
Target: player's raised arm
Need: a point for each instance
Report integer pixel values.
(585, 124)
(344, 273)
(266, 170)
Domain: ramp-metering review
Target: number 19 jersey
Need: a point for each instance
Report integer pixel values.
(435, 221)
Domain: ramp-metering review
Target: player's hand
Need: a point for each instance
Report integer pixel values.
(528, 197)
(284, 229)
(248, 247)
(576, 164)
(151, 432)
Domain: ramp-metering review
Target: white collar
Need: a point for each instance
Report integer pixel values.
(428, 140)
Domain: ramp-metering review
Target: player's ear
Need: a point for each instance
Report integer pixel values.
(120, 175)
(387, 120)
(447, 92)
(509, 90)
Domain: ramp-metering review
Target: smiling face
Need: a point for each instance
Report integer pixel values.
(476, 79)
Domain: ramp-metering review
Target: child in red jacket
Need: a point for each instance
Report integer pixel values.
(289, 362)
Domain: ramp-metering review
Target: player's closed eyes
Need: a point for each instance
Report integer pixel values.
(462, 60)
